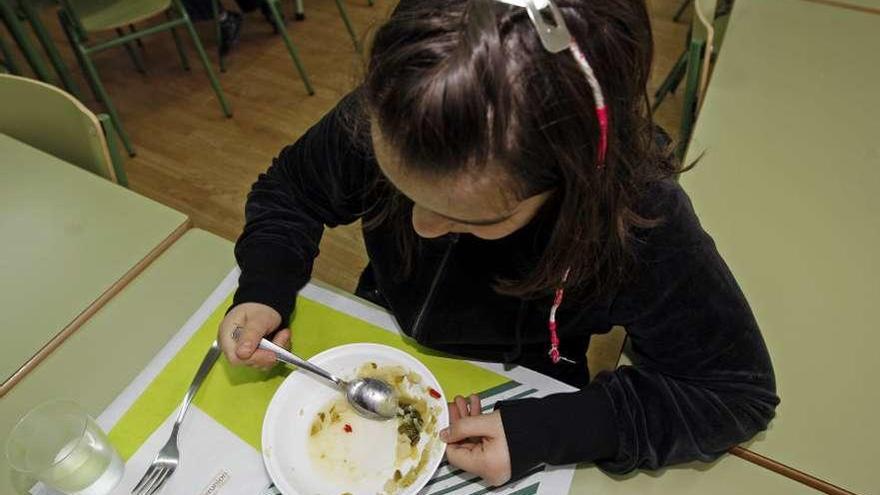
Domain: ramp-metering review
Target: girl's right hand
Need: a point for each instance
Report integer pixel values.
(257, 320)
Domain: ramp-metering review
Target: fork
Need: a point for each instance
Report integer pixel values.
(169, 457)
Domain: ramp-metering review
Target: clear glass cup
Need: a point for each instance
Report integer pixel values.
(58, 444)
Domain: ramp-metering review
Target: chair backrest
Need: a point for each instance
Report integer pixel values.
(699, 55)
(49, 119)
(87, 16)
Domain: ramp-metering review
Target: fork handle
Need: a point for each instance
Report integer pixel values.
(207, 362)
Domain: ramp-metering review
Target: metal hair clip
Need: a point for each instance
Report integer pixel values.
(556, 38)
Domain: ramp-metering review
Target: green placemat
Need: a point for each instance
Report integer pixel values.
(238, 398)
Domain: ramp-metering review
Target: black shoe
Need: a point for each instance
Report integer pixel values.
(230, 29)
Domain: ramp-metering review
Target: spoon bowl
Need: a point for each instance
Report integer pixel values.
(371, 398)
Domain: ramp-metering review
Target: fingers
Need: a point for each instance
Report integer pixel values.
(466, 456)
(475, 406)
(454, 415)
(282, 338)
(224, 335)
(471, 426)
(486, 461)
(266, 360)
(249, 340)
(488, 457)
(462, 406)
(261, 359)
(253, 321)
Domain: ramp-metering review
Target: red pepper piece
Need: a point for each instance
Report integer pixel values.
(347, 428)
(435, 394)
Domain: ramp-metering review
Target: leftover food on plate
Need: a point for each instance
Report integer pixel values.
(343, 445)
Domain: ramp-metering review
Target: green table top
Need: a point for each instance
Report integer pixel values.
(788, 187)
(89, 368)
(98, 361)
(728, 476)
(68, 236)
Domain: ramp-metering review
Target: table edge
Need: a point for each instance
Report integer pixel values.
(848, 6)
(94, 306)
(788, 471)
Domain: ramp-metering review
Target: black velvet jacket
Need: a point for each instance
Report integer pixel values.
(703, 380)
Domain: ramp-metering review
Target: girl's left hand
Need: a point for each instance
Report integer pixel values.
(476, 442)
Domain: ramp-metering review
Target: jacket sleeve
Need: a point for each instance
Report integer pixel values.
(320, 180)
(702, 383)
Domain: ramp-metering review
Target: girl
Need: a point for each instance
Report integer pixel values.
(516, 198)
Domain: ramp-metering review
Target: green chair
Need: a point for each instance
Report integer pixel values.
(49, 119)
(343, 12)
(274, 7)
(676, 74)
(9, 15)
(693, 66)
(83, 18)
(681, 8)
(7, 63)
(31, 10)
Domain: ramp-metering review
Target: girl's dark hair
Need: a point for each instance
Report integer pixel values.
(458, 85)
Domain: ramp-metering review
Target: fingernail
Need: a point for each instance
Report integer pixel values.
(444, 434)
(246, 347)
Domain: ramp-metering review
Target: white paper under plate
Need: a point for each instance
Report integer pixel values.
(370, 447)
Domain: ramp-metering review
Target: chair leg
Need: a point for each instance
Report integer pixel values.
(184, 61)
(681, 9)
(371, 3)
(61, 69)
(67, 27)
(93, 79)
(204, 58)
(115, 159)
(344, 14)
(672, 79)
(8, 59)
(92, 73)
(132, 53)
(139, 42)
(300, 11)
(291, 48)
(215, 11)
(692, 84)
(16, 30)
(678, 77)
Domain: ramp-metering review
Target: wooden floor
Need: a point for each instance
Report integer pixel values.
(195, 160)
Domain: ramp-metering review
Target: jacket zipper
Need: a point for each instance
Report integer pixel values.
(417, 326)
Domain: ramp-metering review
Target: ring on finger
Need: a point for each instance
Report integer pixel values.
(236, 332)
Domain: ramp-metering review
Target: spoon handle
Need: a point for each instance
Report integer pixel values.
(286, 356)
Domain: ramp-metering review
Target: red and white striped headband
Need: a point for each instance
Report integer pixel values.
(557, 38)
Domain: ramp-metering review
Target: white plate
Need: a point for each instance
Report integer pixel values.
(299, 399)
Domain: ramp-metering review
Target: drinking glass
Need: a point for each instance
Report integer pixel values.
(58, 444)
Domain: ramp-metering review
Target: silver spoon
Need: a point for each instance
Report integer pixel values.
(370, 397)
